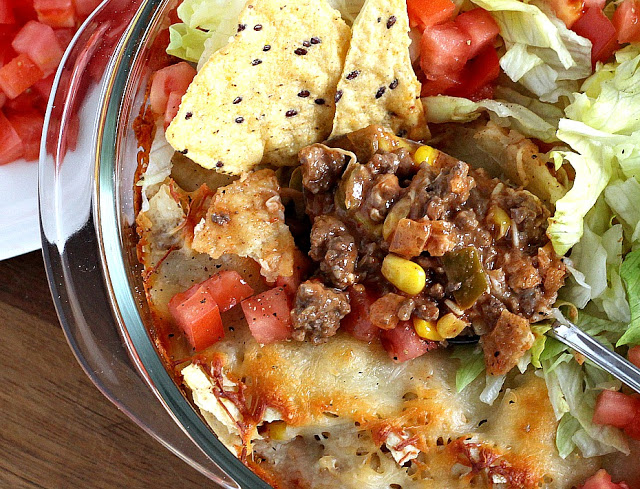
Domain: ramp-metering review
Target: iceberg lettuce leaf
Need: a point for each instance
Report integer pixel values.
(630, 274)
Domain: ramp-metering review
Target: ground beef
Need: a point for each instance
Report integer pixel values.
(509, 275)
(321, 167)
(335, 249)
(317, 312)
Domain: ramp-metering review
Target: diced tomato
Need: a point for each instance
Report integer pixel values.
(6, 13)
(444, 50)
(301, 266)
(634, 355)
(28, 100)
(402, 343)
(172, 79)
(3, 99)
(594, 3)
(64, 36)
(23, 11)
(477, 73)
(357, 322)
(10, 143)
(39, 42)
(440, 85)
(602, 480)
(568, 11)
(227, 288)
(198, 316)
(596, 27)
(269, 316)
(43, 87)
(56, 13)
(614, 409)
(626, 20)
(173, 104)
(28, 125)
(85, 7)
(480, 27)
(18, 75)
(425, 13)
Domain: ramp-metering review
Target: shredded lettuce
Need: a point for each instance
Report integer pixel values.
(542, 54)
(204, 22)
(158, 169)
(472, 365)
(443, 108)
(630, 273)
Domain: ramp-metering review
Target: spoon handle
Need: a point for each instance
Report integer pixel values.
(572, 336)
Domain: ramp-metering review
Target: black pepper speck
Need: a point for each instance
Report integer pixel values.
(256, 62)
(303, 93)
(239, 120)
(315, 40)
(300, 51)
(319, 101)
(306, 44)
(394, 84)
(257, 27)
(291, 113)
(219, 164)
(392, 20)
(184, 151)
(266, 47)
(338, 96)
(380, 92)
(188, 115)
(353, 74)
(237, 100)
(241, 27)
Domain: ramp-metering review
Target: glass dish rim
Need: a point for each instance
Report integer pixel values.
(108, 226)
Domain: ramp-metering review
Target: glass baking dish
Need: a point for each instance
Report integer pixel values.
(86, 197)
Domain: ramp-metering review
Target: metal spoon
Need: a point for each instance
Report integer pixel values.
(568, 333)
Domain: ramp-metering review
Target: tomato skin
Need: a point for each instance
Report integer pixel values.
(602, 480)
(28, 126)
(596, 27)
(18, 75)
(481, 28)
(626, 20)
(43, 87)
(56, 13)
(11, 147)
(634, 355)
(85, 7)
(172, 79)
(269, 316)
(425, 13)
(39, 42)
(357, 322)
(478, 73)
(614, 409)
(402, 343)
(568, 11)
(198, 316)
(3, 99)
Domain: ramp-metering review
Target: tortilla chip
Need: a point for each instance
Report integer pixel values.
(269, 92)
(247, 218)
(378, 84)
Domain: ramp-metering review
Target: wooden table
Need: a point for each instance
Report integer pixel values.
(57, 430)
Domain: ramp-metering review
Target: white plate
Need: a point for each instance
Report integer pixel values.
(19, 226)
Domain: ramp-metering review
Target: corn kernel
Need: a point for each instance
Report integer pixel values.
(450, 326)
(278, 430)
(426, 329)
(425, 154)
(500, 219)
(406, 275)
